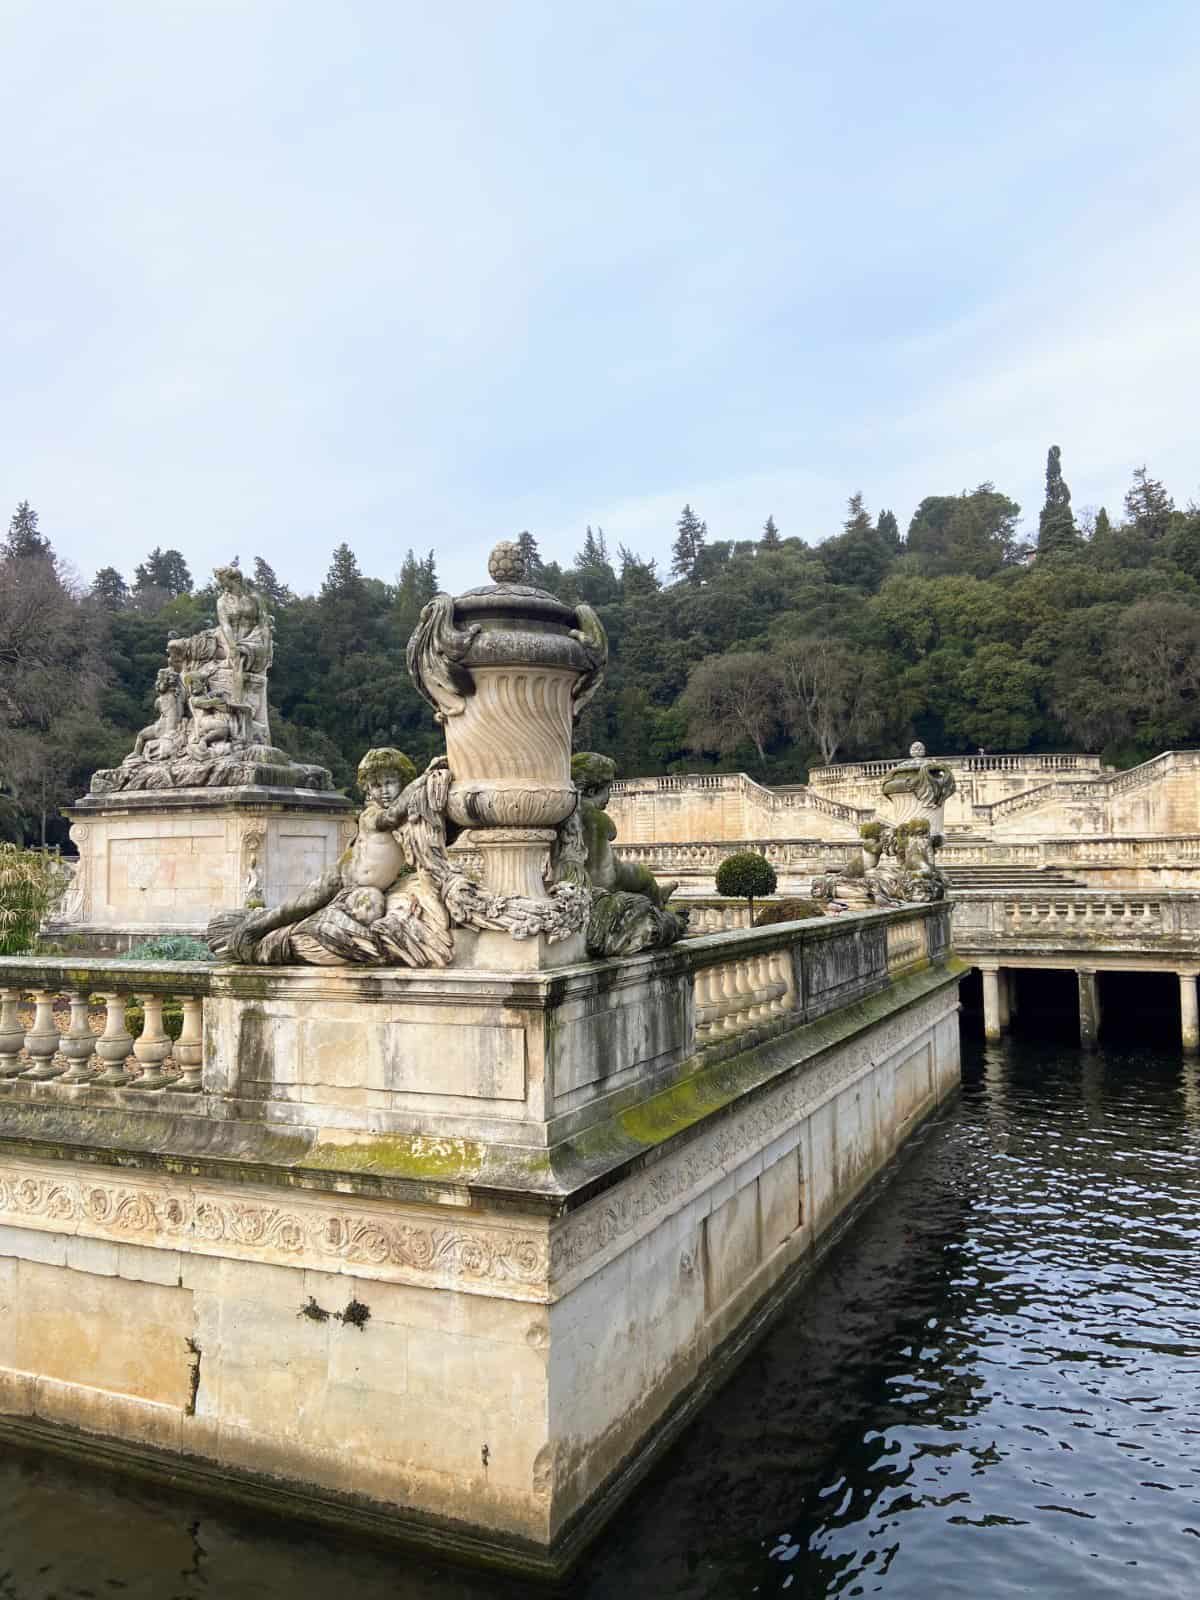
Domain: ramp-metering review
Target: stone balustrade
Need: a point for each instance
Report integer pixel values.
(852, 771)
(1070, 920)
(747, 992)
(86, 1058)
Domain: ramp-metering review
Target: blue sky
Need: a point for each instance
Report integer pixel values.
(277, 273)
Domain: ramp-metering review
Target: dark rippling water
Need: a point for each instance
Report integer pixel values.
(991, 1389)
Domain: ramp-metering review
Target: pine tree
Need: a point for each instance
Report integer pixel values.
(1103, 528)
(344, 580)
(23, 536)
(1148, 505)
(275, 593)
(110, 589)
(689, 545)
(770, 533)
(857, 518)
(888, 529)
(528, 547)
(1056, 525)
(595, 551)
(163, 570)
(428, 583)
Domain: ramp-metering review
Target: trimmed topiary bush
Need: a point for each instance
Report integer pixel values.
(787, 911)
(744, 876)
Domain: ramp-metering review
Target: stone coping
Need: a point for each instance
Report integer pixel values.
(199, 1135)
(242, 797)
(452, 985)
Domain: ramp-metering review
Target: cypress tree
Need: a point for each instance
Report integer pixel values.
(1056, 525)
(888, 529)
(770, 533)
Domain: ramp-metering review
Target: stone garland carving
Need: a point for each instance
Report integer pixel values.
(212, 727)
(898, 865)
(395, 896)
(628, 905)
(478, 1255)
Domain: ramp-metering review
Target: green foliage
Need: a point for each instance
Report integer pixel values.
(1056, 525)
(769, 655)
(746, 876)
(30, 882)
(870, 830)
(23, 537)
(170, 947)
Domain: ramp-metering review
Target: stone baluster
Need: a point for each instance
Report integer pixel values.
(79, 1042)
(781, 982)
(739, 1017)
(189, 1050)
(726, 986)
(12, 1034)
(114, 1043)
(707, 1003)
(43, 1039)
(152, 1046)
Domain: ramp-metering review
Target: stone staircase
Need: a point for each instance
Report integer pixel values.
(999, 880)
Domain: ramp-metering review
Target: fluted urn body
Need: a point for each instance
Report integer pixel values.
(507, 668)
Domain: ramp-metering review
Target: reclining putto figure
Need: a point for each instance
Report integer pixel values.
(629, 905)
(380, 904)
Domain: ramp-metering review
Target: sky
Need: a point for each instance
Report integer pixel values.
(277, 274)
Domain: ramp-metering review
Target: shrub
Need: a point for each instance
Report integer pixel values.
(871, 830)
(745, 875)
(30, 882)
(170, 947)
(787, 911)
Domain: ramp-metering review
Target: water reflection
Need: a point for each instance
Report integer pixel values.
(991, 1388)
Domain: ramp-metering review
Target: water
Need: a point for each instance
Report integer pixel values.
(991, 1389)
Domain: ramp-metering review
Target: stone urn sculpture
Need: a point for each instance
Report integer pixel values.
(507, 668)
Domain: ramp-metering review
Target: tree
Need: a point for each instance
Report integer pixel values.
(528, 547)
(770, 534)
(832, 694)
(971, 533)
(1057, 533)
(730, 699)
(343, 580)
(276, 594)
(637, 576)
(1148, 505)
(857, 518)
(744, 875)
(888, 530)
(163, 573)
(110, 589)
(1156, 649)
(689, 546)
(23, 536)
(1103, 528)
(595, 580)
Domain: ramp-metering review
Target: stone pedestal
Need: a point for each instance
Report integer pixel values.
(165, 861)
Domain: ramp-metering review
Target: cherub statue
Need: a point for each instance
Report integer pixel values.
(380, 904)
(163, 738)
(629, 905)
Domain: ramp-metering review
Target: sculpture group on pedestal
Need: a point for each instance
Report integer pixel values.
(212, 728)
(899, 853)
(506, 668)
